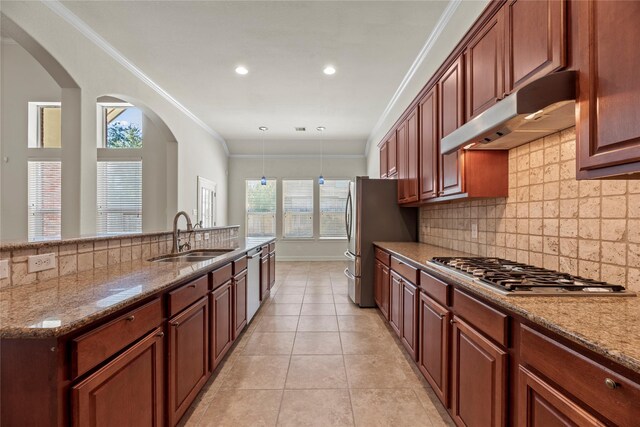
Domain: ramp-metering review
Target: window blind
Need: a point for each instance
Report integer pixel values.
(261, 208)
(297, 198)
(119, 197)
(333, 200)
(44, 198)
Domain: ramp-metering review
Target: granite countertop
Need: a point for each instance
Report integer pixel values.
(55, 307)
(609, 326)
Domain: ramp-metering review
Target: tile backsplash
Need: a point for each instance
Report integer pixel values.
(77, 255)
(549, 219)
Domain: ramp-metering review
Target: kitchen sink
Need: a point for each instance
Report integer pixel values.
(192, 256)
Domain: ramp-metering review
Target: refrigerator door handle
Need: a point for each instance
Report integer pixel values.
(349, 255)
(349, 275)
(348, 216)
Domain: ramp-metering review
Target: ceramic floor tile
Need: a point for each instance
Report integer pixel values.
(359, 324)
(376, 342)
(287, 298)
(326, 290)
(243, 408)
(318, 309)
(258, 373)
(285, 290)
(352, 309)
(395, 408)
(330, 408)
(341, 298)
(317, 343)
(282, 310)
(312, 372)
(265, 343)
(379, 371)
(318, 323)
(277, 324)
(318, 298)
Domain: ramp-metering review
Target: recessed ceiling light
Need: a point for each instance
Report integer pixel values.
(263, 128)
(242, 70)
(329, 70)
(320, 128)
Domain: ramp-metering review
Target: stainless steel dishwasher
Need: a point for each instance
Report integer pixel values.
(253, 282)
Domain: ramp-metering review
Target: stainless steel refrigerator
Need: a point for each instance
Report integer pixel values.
(373, 214)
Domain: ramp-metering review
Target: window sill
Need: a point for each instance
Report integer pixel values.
(333, 239)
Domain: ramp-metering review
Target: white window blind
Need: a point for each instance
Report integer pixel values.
(119, 197)
(261, 208)
(297, 198)
(44, 200)
(333, 199)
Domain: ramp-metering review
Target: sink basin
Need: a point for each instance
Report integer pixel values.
(192, 256)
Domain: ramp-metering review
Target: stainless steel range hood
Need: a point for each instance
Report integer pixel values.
(540, 108)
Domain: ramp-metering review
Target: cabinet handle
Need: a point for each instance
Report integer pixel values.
(160, 334)
(611, 383)
(175, 324)
(131, 318)
(192, 286)
(452, 321)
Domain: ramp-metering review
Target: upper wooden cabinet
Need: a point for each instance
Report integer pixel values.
(401, 159)
(384, 168)
(429, 145)
(392, 152)
(535, 40)
(407, 140)
(451, 91)
(484, 59)
(608, 120)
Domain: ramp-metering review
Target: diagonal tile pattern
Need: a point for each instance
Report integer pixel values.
(311, 357)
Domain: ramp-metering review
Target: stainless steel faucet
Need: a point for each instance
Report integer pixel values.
(177, 247)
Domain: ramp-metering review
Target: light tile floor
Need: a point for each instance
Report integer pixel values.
(312, 358)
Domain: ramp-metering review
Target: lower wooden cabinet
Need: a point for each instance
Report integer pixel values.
(478, 378)
(541, 405)
(272, 270)
(239, 303)
(188, 359)
(409, 332)
(433, 354)
(128, 391)
(264, 275)
(221, 301)
(395, 302)
(381, 288)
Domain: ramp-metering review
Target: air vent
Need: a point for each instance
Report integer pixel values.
(301, 129)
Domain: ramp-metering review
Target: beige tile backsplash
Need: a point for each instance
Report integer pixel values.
(588, 228)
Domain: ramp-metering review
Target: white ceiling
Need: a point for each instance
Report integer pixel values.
(191, 49)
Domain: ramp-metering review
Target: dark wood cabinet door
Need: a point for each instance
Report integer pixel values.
(395, 302)
(264, 277)
(403, 173)
(128, 391)
(451, 102)
(377, 283)
(412, 160)
(392, 156)
(188, 358)
(272, 270)
(429, 145)
(384, 167)
(409, 336)
(479, 378)
(485, 67)
(239, 303)
(541, 405)
(433, 343)
(536, 38)
(608, 120)
(221, 322)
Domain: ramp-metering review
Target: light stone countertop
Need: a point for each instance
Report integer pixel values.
(56, 307)
(609, 326)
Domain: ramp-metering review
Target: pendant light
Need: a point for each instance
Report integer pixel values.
(263, 180)
(321, 129)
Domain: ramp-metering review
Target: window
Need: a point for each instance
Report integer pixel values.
(261, 208)
(121, 126)
(206, 202)
(44, 197)
(333, 200)
(297, 202)
(119, 197)
(44, 125)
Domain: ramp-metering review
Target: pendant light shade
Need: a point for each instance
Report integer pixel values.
(321, 180)
(263, 180)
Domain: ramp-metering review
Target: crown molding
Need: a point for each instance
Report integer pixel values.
(422, 55)
(297, 156)
(99, 41)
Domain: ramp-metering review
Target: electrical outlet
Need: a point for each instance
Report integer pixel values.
(41, 262)
(4, 268)
(474, 230)
(198, 237)
(207, 236)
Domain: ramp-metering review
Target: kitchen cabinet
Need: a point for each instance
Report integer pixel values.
(484, 58)
(478, 378)
(272, 270)
(433, 357)
(127, 391)
(381, 291)
(188, 357)
(221, 301)
(264, 274)
(409, 334)
(535, 40)
(608, 118)
(384, 167)
(402, 160)
(429, 145)
(408, 162)
(392, 157)
(239, 303)
(395, 302)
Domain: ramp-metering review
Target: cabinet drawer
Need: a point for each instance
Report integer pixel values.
(405, 270)
(221, 276)
(272, 247)
(96, 346)
(491, 322)
(239, 265)
(383, 257)
(436, 289)
(186, 295)
(585, 379)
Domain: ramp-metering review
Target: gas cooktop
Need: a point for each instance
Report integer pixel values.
(514, 278)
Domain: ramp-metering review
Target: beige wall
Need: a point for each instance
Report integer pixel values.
(589, 228)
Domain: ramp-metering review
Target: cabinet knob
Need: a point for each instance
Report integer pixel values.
(160, 334)
(175, 324)
(610, 383)
(452, 321)
(192, 286)
(131, 318)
